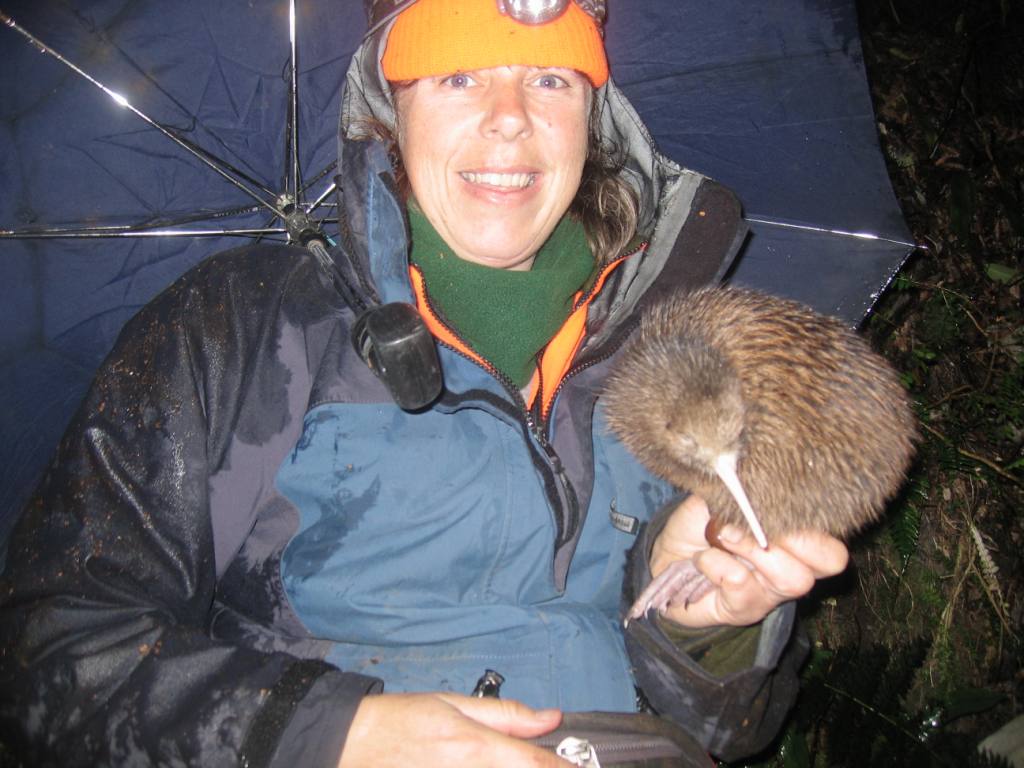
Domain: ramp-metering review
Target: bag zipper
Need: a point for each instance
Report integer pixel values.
(579, 752)
(586, 753)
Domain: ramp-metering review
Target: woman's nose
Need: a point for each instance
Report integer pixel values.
(507, 116)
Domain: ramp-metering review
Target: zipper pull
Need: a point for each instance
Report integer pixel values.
(489, 685)
(537, 430)
(566, 527)
(579, 752)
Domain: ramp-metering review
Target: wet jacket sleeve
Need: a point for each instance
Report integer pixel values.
(109, 587)
(735, 714)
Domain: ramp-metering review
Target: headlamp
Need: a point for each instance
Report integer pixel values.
(533, 11)
(541, 11)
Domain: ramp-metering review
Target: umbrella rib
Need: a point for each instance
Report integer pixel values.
(293, 109)
(331, 166)
(94, 233)
(113, 228)
(319, 201)
(326, 193)
(201, 155)
(268, 224)
(830, 231)
(196, 122)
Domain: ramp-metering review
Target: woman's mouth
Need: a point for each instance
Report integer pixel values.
(500, 180)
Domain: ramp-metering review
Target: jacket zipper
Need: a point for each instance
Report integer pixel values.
(536, 421)
(563, 531)
(607, 349)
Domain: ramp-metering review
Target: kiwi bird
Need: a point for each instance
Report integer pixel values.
(778, 416)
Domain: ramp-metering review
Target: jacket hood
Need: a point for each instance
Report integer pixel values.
(665, 189)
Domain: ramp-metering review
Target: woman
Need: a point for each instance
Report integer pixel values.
(242, 535)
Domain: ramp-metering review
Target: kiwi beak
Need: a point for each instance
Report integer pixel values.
(725, 468)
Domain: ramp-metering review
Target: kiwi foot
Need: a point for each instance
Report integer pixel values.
(679, 584)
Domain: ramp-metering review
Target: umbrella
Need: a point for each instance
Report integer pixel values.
(116, 169)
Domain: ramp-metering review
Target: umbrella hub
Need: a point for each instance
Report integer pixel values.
(300, 225)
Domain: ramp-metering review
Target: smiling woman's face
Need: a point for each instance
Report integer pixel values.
(495, 156)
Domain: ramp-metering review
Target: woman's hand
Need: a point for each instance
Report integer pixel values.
(442, 729)
(749, 581)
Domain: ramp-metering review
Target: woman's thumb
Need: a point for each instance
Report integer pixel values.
(507, 716)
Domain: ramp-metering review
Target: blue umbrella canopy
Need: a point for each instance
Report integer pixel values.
(771, 99)
(768, 98)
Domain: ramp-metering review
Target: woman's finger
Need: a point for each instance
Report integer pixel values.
(823, 554)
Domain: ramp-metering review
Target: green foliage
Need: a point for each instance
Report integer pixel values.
(1010, 208)
(852, 712)
(902, 282)
(989, 760)
(1002, 273)
(903, 524)
(943, 323)
(1002, 404)
(921, 657)
(962, 202)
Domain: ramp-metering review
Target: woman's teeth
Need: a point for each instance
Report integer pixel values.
(510, 180)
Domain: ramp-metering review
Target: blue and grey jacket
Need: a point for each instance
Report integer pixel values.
(241, 535)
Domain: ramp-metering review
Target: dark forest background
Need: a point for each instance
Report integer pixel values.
(917, 649)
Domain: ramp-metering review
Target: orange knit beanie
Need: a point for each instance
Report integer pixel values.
(440, 37)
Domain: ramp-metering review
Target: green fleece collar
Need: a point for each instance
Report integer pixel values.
(506, 316)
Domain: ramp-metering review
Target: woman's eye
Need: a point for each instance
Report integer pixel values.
(458, 80)
(551, 81)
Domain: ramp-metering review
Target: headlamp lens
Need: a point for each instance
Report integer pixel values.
(533, 11)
